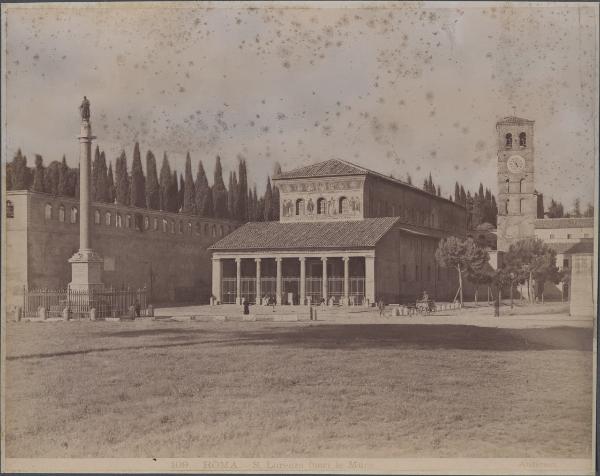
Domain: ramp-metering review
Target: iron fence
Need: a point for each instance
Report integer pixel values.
(108, 302)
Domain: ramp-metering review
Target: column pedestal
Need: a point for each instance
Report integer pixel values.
(86, 269)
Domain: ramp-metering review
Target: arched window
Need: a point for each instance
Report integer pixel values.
(299, 207)
(506, 207)
(10, 209)
(127, 221)
(107, 218)
(146, 223)
(507, 182)
(522, 139)
(198, 228)
(522, 185)
(61, 214)
(155, 224)
(221, 231)
(508, 138)
(521, 205)
(180, 226)
(344, 205)
(119, 220)
(189, 227)
(74, 214)
(97, 217)
(164, 225)
(48, 211)
(172, 226)
(214, 230)
(206, 229)
(321, 206)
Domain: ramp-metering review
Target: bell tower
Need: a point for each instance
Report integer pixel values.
(517, 200)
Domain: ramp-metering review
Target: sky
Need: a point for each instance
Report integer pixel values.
(398, 88)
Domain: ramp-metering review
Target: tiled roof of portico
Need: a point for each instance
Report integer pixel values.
(584, 246)
(312, 235)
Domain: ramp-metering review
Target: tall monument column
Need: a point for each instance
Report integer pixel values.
(86, 265)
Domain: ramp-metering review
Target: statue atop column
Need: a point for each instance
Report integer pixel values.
(84, 109)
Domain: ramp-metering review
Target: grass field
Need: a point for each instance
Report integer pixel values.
(159, 389)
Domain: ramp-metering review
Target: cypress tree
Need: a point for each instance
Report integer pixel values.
(122, 191)
(180, 193)
(138, 181)
(268, 202)
(242, 209)
(208, 204)
(219, 192)
(51, 177)
(19, 172)
(110, 185)
(202, 190)
(164, 202)
(232, 196)
(173, 204)
(189, 193)
(439, 191)
(463, 196)
(275, 204)
(152, 187)
(102, 180)
(63, 175)
(38, 174)
(456, 193)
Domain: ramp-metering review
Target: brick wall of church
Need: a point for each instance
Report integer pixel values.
(177, 263)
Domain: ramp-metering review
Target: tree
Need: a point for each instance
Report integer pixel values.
(208, 205)
(589, 211)
(408, 179)
(102, 180)
(232, 195)
(456, 193)
(110, 185)
(180, 192)
(63, 175)
(219, 192)
(275, 205)
(122, 189)
(540, 204)
(439, 191)
(20, 174)
(463, 196)
(51, 177)
(202, 191)
(38, 174)
(174, 195)
(165, 184)
(189, 192)
(268, 201)
(464, 255)
(577, 208)
(532, 261)
(555, 210)
(242, 211)
(138, 181)
(152, 186)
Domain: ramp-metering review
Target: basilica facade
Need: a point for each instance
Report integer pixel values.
(346, 235)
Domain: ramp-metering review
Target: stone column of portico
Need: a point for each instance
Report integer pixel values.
(238, 281)
(324, 289)
(217, 272)
(302, 280)
(346, 280)
(278, 283)
(86, 265)
(258, 287)
(370, 279)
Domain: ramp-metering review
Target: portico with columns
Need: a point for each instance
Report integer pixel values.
(295, 278)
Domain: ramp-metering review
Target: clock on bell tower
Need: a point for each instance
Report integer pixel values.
(517, 199)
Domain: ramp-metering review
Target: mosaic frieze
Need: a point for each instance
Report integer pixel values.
(320, 186)
(322, 206)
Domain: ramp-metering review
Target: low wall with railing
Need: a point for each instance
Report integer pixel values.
(82, 304)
